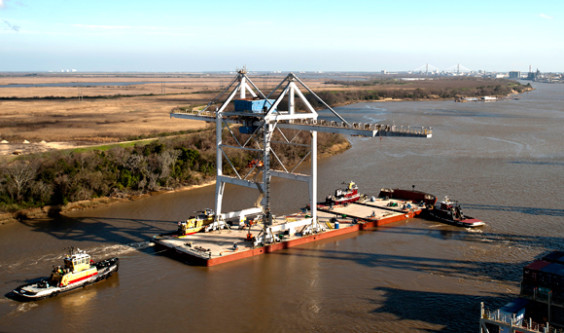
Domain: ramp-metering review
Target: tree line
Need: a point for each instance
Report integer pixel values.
(334, 97)
(58, 178)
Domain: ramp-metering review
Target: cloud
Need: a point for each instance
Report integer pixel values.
(1, 3)
(541, 15)
(10, 25)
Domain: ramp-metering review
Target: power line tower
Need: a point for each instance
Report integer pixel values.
(260, 118)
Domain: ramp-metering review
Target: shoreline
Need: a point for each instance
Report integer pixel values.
(77, 206)
(434, 99)
(53, 211)
(47, 212)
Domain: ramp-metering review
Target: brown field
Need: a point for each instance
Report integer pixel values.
(68, 116)
(144, 112)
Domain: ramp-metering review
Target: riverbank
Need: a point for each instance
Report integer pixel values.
(345, 97)
(49, 211)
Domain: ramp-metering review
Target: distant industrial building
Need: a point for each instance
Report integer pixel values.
(514, 75)
(532, 75)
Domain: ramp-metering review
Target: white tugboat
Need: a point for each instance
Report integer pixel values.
(78, 270)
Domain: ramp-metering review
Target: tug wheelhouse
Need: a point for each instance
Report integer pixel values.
(76, 267)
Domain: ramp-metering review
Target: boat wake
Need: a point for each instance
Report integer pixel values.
(100, 252)
(25, 307)
(120, 249)
(31, 262)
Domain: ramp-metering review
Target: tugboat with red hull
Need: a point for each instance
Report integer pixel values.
(449, 212)
(344, 196)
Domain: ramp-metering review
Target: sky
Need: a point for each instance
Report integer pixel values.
(265, 35)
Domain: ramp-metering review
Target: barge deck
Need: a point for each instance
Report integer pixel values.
(222, 246)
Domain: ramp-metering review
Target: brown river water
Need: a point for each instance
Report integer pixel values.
(503, 161)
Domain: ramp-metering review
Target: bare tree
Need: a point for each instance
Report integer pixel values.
(167, 159)
(19, 176)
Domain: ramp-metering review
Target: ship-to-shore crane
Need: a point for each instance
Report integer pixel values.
(259, 117)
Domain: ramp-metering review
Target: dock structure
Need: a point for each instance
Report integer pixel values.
(496, 321)
(259, 116)
(540, 304)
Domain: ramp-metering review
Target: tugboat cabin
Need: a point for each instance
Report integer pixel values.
(351, 189)
(77, 262)
(453, 209)
(77, 267)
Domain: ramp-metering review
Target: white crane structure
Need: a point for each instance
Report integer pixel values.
(258, 116)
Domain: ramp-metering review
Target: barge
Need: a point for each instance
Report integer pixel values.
(241, 241)
(416, 196)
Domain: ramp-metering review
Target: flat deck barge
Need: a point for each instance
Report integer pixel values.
(222, 246)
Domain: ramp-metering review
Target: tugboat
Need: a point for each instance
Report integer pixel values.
(195, 223)
(78, 270)
(449, 212)
(192, 225)
(343, 196)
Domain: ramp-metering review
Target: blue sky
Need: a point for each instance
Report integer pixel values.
(346, 35)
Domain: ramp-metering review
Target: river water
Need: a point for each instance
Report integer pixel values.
(503, 161)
